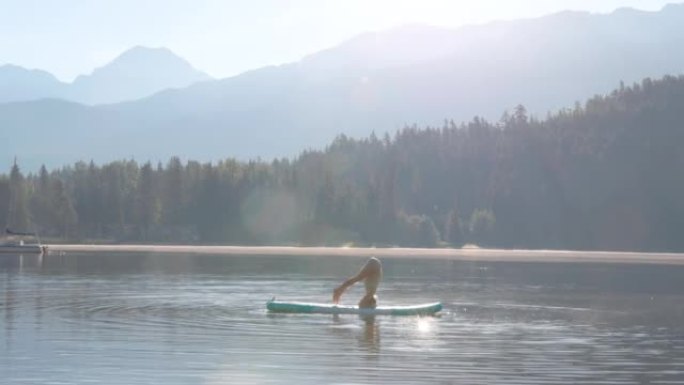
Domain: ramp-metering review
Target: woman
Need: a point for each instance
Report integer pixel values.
(370, 274)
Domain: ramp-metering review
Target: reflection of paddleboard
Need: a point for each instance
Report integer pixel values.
(301, 307)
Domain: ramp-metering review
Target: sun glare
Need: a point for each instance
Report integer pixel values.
(435, 12)
(424, 325)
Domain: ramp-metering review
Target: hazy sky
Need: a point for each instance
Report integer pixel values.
(222, 37)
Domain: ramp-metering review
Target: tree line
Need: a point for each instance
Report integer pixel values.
(607, 174)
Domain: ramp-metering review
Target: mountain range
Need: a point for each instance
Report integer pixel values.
(136, 73)
(376, 82)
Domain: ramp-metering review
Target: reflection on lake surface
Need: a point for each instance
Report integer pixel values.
(170, 319)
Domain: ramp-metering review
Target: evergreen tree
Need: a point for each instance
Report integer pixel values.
(453, 230)
(65, 214)
(19, 216)
(148, 202)
(482, 227)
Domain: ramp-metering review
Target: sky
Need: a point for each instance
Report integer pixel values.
(226, 37)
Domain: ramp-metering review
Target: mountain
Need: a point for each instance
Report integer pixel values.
(17, 83)
(376, 82)
(136, 73)
(400, 46)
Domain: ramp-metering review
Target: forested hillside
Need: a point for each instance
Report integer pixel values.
(608, 174)
(377, 82)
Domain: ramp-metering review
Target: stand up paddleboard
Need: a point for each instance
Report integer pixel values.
(323, 308)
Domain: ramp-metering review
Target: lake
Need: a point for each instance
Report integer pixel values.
(200, 319)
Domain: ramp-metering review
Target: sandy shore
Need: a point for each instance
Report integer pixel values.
(466, 254)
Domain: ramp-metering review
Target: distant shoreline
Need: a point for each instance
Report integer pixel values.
(463, 254)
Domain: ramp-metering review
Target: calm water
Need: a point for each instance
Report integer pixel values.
(169, 319)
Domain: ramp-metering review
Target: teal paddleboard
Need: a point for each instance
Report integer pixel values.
(323, 308)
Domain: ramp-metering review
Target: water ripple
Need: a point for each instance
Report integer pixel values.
(145, 327)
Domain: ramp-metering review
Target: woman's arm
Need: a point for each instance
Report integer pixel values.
(337, 293)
